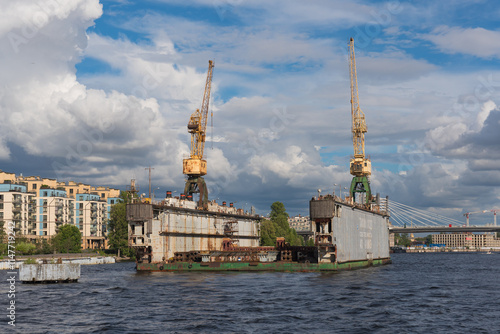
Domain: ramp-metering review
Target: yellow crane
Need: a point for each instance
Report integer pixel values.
(360, 165)
(195, 166)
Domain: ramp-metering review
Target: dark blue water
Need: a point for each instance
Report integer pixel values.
(418, 293)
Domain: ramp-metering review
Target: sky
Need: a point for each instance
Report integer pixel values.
(96, 91)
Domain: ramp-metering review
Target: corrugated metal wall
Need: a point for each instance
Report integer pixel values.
(360, 235)
(184, 232)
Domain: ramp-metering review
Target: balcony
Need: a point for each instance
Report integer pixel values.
(16, 208)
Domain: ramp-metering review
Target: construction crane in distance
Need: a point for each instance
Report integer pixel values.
(360, 166)
(195, 167)
(467, 214)
(495, 216)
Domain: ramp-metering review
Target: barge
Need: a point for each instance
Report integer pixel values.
(173, 235)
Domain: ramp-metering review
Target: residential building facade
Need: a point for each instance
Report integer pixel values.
(466, 240)
(17, 206)
(300, 223)
(40, 206)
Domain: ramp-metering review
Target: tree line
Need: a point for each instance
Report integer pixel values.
(277, 226)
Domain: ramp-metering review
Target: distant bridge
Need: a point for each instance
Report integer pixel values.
(406, 219)
(427, 229)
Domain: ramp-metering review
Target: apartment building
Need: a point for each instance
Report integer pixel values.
(300, 223)
(17, 206)
(91, 219)
(54, 208)
(39, 206)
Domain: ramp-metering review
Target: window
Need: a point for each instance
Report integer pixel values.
(71, 191)
(103, 195)
(33, 186)
(45, 219)
(112, 201)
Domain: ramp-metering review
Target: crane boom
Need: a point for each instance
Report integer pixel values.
(197, 125)
(358, 117)
(195, 166)
(360, 166)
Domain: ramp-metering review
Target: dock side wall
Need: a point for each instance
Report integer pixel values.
(171, 231)
(360, 235)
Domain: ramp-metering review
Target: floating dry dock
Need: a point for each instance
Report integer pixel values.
(174, 236)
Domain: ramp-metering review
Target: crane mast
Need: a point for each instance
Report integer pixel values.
(360, 166)
(195, 166)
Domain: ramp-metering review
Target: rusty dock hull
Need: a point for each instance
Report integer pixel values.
(259, 266)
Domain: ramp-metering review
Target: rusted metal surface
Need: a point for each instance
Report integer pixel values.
(322, 208)
(176, 230)
(139, 212)
(360, 235)
(347, 232)
(260, 266)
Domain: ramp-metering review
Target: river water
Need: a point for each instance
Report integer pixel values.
(418, 293)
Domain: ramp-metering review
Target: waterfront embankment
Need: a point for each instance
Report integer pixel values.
(80, 258)
(451, 250)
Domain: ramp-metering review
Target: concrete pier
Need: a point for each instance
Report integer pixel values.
(49, 273)
(5, 264)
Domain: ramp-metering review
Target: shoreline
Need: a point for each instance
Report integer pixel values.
(77, 258)
(447, 250)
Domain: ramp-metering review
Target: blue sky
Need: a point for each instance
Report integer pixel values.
(109, 87)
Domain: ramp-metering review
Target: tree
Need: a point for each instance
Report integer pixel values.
(402, 239)
(118, 229)
(68, 239)
(3, 235)
(278, 226)
(25, 248)
(267, 233)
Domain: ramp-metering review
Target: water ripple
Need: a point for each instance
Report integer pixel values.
(418, 293)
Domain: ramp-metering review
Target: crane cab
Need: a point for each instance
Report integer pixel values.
(194, 166)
